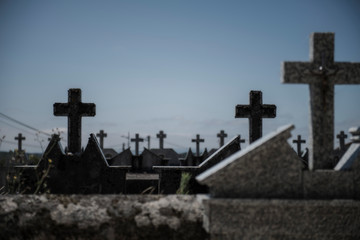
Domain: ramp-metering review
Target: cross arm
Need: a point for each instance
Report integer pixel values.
(61, 109)
(296, 72)
(347, 73)
(242, 111)
(268, 111)
(87, 109)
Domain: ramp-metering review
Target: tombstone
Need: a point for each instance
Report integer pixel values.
(197, 140)
(341, 136)
(74, 109)
(189, 159)
(321, 73)
(20, 138)
(298, 142)
(221, 135)
(125, 158)
(101, 135)
(137, 139)
(109, 153)
(255, 112)
(170, 176)
(167, 154)
(161, 137)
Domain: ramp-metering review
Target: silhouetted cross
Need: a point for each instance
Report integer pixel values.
(20, 138)
(241, 141)
(74, 109)
(298, 142)
(255, 112)
(161, 137)
(198, 140)
(222, 135)
(341, 138)
(137, 140)
(101, 135)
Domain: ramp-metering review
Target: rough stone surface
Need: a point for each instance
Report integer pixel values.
(101, 217)
(283, 219)
(321, 73)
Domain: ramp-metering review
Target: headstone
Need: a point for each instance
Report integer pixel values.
(161, 137)
(197, 140)
(20, 138)
(298, 142)
(255, 112)
(74, 109)
(137, 139)
(341, 136)
(321, 73)
(167, 154)
(221, 135)
(189, 159)
(101, 135)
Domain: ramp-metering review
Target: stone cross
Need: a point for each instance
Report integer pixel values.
(161, 137)
(240, 141)
(222, 135)
(101, 135)
(198, 140)
(74, 109)
(298, 142)
(137, 140)
(148, 140)
(341, 138)
(256, 111)
(20, 138)
(321, 73)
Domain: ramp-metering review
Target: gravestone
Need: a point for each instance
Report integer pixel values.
(189, 159)
(321, 73)
(137, 139)
(298, 142)
(197, 140)
(20, 138)
(167, 154)
(170, 176)
(341, 136)
(221, 135)
(74, 109)
(255, 112)
(161, 137)
(101, 135)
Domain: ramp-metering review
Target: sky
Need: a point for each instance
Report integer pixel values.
(176, 66)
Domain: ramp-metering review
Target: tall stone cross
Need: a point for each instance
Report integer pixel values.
(74, 109)
(20, 138)
(256, 111)
(341, 136)
(161, 135)
(240, 141)
(137, 140)
(198, 140)
(321, 73)
(222, 135)
(101, 136)
(298, 142)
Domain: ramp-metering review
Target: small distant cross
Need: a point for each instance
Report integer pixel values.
(321, 73)
(137, 140)
(255, 112)
(198, 140)
(74, 109)
(222, 135)
(101, 135)
(241, 141)
(20, 138)
(161, 135)
(298, 142)
(341, 138)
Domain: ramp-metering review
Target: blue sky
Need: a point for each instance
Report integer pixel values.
(177, 66)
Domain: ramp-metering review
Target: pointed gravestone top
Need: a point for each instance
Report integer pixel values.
(20, 138)
(161, 135)
(74, 109)
(267, 168)
(321, 73)
(256, 111)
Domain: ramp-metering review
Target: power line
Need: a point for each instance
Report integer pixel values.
(23, 124)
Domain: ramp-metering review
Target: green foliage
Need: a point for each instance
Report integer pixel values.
(184, 183)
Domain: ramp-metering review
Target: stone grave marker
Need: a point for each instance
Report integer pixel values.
(321, 73)
(20, 138)
(341, 136)
(101, 135)
(298, 142)
(221, 135)
(197, 140)
(161, 135)
(137, 139)
(255, 112)
(74, 109)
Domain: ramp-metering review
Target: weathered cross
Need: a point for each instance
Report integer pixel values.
(241, 141)
(341, 138)
(137, 140)
(256, 111)
(74, 109)
(20, 138)
(101, 135)
(298, 142)
(161, 137)
(198, 140)
(321, 73)
(222, 135)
